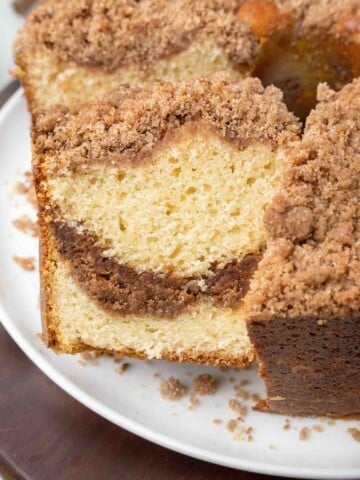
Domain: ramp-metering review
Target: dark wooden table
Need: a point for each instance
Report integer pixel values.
(46, 435)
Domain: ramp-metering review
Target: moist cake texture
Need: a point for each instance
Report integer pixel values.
(304, 300)
(151, 208)
(304, 43)
(69, 51)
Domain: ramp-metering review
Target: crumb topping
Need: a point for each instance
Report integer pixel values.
(127, 125)
(26, 225)
(312, 263)
(355, 433)
(26, 263)
(305, 433)
(26, 188)
(172, 389)
(115, 33)
(204, 384)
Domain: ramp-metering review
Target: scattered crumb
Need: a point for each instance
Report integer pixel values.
(204, 384)
(21, 6)
(241, 393)
(305, 433)
(355, 433)
(272, 446)
(231, 425)
(27, 189)
(41, 337)
(194, 402)
(238, 408)
(89, 358)
(231, 379)
(243, 383)
(117, 359)
(26, 263)
(318, 428)
(331, 422)
(249, 434)
(123, 368)
(156, 375)
(255, 397)
(287, 425)
(189, 374)
(26, 225)
(217, 421)
(240, 431)
(172, 388)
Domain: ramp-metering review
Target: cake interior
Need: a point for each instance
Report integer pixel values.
(196, 205)
(51, 82)
(199, 201)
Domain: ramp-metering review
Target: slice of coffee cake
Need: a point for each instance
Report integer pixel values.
(151, 216)
(305, 297)
(71, 51)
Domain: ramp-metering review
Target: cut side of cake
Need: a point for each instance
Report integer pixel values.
(69, 52)
(151, 216)
(304, 301)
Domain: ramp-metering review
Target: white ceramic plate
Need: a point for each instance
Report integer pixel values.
(132, 400)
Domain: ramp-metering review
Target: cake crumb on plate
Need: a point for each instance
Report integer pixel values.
(204, 384)
(26, 225)
(355, 433)
(26, 263)
(172, 389)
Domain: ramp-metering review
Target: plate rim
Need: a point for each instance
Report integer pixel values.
(137, 428)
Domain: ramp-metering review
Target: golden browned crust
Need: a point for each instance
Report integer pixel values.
(312, 263)
(127, 125)
(108, 34)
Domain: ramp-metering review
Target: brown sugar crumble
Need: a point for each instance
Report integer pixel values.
(241, 393)
(123, 368)
(131, 135)
(111, 35)
(204, 384)
(26, 263)
(27, 189)
(318, 428)
(287, 424)
(89, 358)
(355, 433)
(217, 421)
(239, 409)
(26, 225)
(305, 433)
(172, 389)
(193, 401)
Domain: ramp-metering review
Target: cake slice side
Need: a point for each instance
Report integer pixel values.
(68, 52)
(151, 206)
(304, 299)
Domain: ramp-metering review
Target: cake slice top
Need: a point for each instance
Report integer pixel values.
(114, 33)
(128, 124)
(312, 264)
